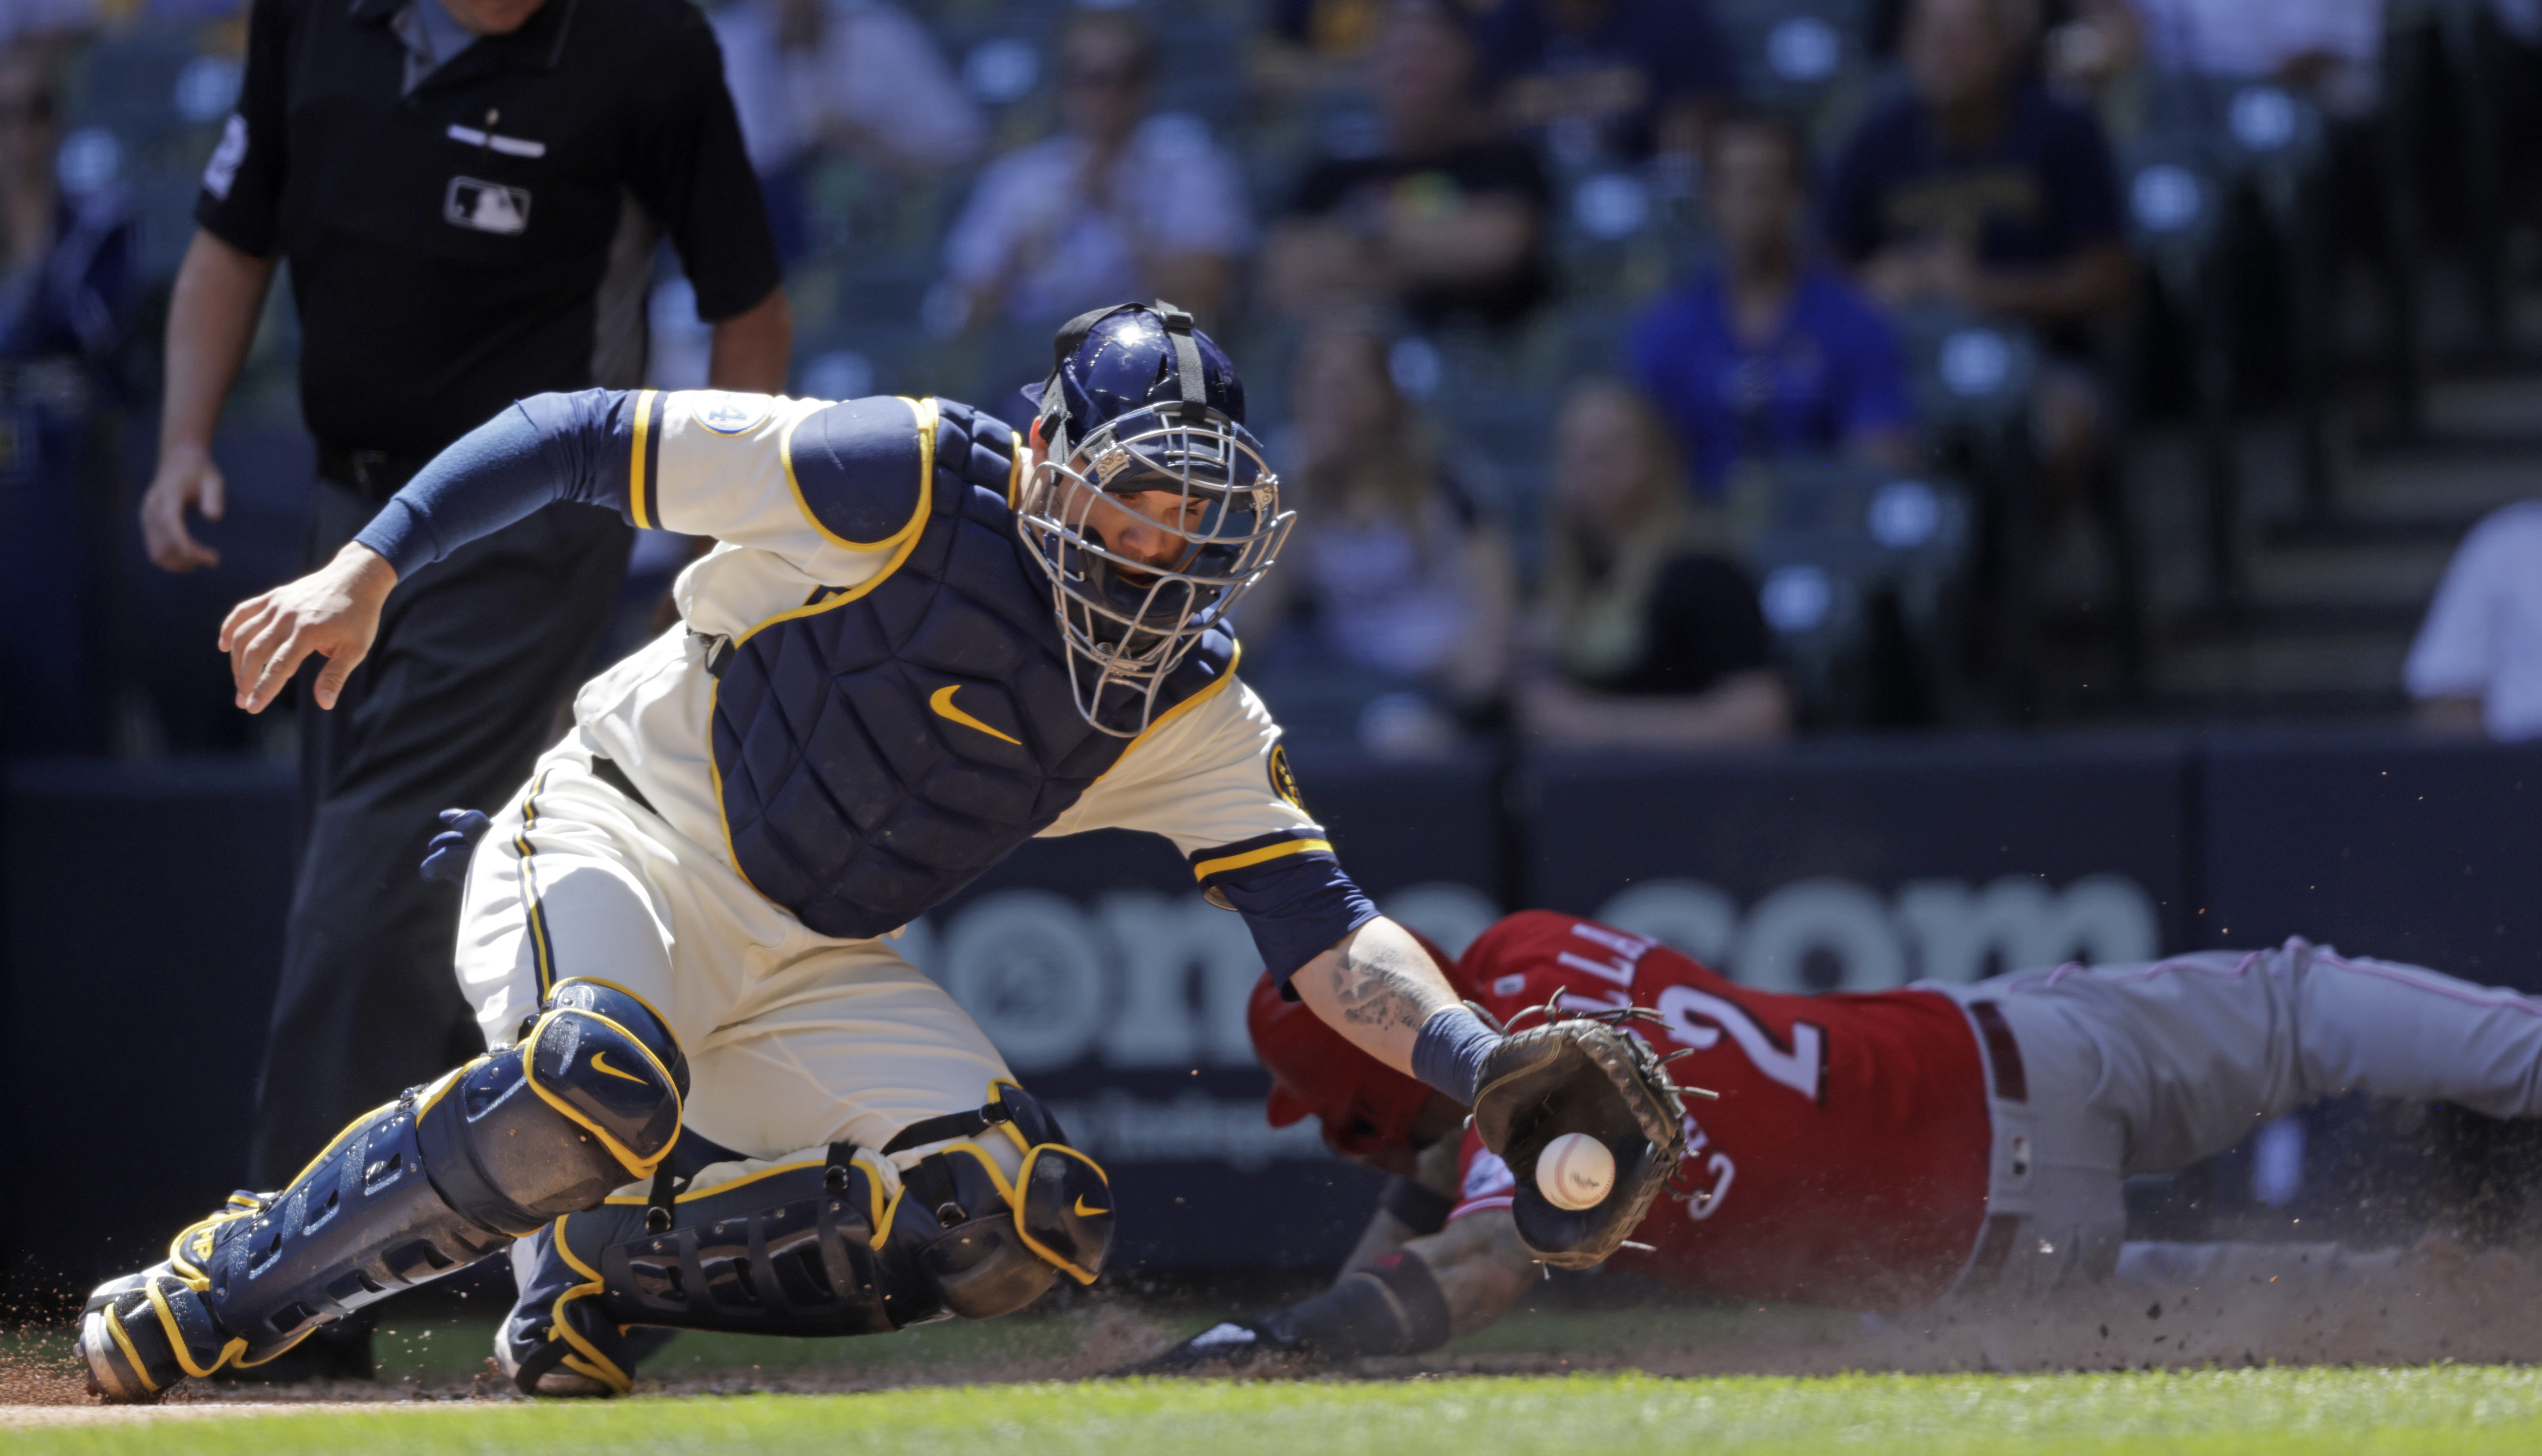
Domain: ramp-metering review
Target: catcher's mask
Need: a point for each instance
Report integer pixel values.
(1367, 1108)
(1138, 401)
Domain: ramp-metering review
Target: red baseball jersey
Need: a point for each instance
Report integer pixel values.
(1845, 1161)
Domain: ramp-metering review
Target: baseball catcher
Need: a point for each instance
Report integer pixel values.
(1871, 1151)
(716, 1096)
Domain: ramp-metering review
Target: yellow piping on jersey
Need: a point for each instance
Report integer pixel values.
(927, 417)
(907, 536)
(1234, 656)
(532, 911)
(635, 481)
(1251, 857)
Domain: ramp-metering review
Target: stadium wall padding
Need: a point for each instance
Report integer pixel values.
(144, 909)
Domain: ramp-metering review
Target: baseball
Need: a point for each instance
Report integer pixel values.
(1575, 1171)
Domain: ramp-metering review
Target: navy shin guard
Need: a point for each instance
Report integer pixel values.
(588, 1101)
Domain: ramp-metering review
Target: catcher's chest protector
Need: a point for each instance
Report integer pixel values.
(880, 746)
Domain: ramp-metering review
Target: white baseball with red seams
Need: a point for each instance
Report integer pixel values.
(1575, 1171)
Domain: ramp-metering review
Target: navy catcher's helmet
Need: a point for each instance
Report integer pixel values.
(1139, 400)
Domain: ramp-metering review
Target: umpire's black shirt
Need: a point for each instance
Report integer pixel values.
(449, 247)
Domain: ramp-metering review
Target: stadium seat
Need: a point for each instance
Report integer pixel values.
(1862, 572)
(1806, 60)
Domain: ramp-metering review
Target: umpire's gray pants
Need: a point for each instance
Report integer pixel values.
(2096, 1074)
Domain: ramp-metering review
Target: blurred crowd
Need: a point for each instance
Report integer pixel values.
(1646, 373)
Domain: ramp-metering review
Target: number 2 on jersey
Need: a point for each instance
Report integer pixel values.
(1798, 1067)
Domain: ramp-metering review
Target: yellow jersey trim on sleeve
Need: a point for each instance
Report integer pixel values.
(1252, 857)
(637, 485)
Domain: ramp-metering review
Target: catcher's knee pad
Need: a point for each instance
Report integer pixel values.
(588, 1100)
(815, 1248)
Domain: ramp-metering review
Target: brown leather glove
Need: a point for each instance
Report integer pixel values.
(1578, 1073)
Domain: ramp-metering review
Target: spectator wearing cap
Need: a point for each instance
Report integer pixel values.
(1445, 222)
(1393, 571)
(859, 77)
(1979, 189)
(1770, 350)
(67, 291)
(1646, 634)
(1122, 203)
(1616, 80)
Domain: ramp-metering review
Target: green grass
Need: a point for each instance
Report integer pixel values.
(443, 1347)
(2448, 1409)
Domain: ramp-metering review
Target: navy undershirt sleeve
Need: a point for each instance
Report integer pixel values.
(1297, 907)
(544, 449)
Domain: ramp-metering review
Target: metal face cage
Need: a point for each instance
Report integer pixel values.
(1129, 622)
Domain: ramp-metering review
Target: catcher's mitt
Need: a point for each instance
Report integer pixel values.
(1579, 1072)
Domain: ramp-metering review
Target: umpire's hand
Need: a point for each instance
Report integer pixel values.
(334, 611)
(187, 477)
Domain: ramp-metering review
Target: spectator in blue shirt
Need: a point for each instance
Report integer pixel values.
(1770, 351)
(1618, 79)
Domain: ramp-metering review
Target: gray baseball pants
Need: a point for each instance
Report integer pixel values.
(2095, 1073)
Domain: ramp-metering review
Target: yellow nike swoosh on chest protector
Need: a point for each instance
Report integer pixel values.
(1084, 1211)
(942, 700)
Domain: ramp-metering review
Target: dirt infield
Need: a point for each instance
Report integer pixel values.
(2440, 1305)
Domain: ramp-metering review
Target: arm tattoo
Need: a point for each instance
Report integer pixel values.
(1374, 986)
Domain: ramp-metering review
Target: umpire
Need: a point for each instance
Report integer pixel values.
(469, 193)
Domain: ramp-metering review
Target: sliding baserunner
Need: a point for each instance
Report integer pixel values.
(1870, 1151)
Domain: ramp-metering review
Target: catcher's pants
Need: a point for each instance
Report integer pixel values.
(2124, 1070)
(794, 1039)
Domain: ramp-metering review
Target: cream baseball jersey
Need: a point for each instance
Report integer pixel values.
(865, 702)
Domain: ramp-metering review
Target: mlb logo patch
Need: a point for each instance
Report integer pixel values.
(486, 207)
